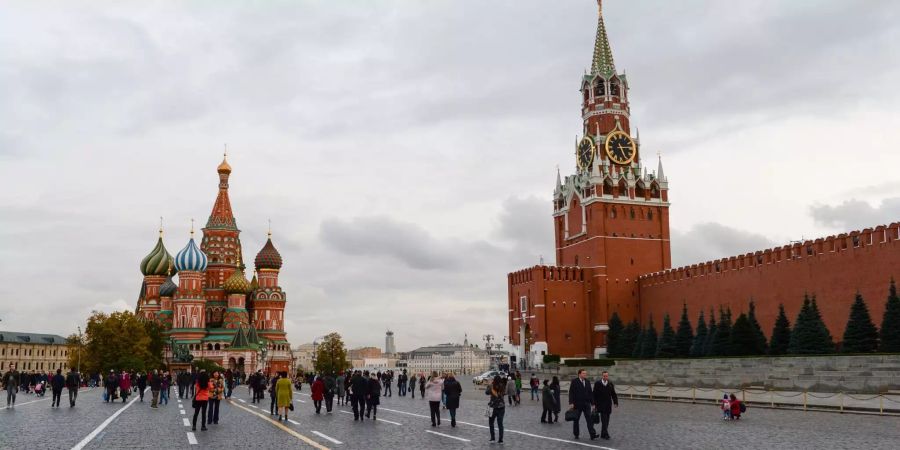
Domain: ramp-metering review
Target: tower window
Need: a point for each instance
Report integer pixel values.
(650, 215)
(614, 88)
(613, 213)
(632, 213)
(599, 87)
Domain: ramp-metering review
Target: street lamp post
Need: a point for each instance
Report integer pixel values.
(78, 364)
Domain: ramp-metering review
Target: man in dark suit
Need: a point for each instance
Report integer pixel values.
(581, 399)
(604, 399)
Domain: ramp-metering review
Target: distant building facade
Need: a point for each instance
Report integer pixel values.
(304, 355)
(33, 352)
(389, 347)
(456, 358)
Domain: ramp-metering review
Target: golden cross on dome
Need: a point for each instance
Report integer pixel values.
(160, 226)
(226, 151)
(270, 228)
(192, 227)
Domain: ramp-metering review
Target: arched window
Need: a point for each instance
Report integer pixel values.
(217, 347)
(614, 88)
(613, 213)
(632, 213)
(639, 191)
(599, 87)
(607, 187)
(654, 191)
(650, 215)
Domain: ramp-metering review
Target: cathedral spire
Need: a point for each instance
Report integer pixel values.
(222, 217)
(602, 63)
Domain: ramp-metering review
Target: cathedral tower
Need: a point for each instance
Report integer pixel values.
(189, 304)
(155, 267)
(222, 244)
(268, 298)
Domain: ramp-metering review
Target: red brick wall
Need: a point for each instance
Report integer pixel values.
(835, 270)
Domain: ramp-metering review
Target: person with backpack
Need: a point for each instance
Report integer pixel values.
(73, 382)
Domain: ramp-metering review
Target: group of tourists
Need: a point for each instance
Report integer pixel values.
(12, 381)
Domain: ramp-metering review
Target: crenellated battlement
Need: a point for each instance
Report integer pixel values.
(795, 252)
(546, 273)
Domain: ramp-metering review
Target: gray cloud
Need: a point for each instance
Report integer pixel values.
(708, 241)
(857, 214)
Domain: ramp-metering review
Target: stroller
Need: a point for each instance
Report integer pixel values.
(39, 389)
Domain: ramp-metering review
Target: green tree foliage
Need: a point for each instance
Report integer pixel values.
(331, 356)
(119, 341)
(711, 334)
(890, 323)
(650, 341)
(760, 346)
(665, 348)
(630, 338)
(721, 341)
(781, 334)
(207, 365)
(699, 346)
(684, 337)
(743, 337)
(810, 336)
(614, 343)
(860, 336)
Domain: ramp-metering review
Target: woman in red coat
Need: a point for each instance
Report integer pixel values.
(735, 408)
(318, 393)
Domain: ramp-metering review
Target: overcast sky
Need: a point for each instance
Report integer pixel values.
(406, 151)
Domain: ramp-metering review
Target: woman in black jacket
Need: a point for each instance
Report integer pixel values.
(496, 405)
(453, 390)
(554, 386)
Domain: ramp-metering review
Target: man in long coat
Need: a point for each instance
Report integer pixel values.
(604, 399)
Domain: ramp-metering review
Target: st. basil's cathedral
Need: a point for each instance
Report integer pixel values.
(213, 309)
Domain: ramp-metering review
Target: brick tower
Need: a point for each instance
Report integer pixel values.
(222, 244)
(611, 225)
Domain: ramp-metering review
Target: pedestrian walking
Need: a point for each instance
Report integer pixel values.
(433, 392)
(318, 393)
(141, 384)
(360, 387)
(401, 383)
(216, 393)
(273, 403)
(373, 397)
(182, 379)
(422, 384)
(496, 405)
(124, 385)
(535, 384)
(57, 383)
(581, 401)
(73, 382)
(554, 386)
(548, 402)
(412, 384)
(111, 383)
(284, 394)
(511, 390)
(518, 387)
(452, 392)
(165, 383)
(329, 392)
(341, 390)
(200, 399)
(155, 381)
(11, 381)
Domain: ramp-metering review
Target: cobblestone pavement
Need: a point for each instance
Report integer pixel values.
(403, 423)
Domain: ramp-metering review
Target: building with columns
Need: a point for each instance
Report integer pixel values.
(213, 309)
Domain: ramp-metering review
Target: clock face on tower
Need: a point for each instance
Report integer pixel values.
(620, 148)
(585, 153)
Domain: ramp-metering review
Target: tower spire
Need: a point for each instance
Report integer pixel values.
(602, 63)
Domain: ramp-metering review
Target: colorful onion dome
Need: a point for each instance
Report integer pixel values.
(190, 258)
(168, 288)
(268, 257)
(157, 262)
(237, 283)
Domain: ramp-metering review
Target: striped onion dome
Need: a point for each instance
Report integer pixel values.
(157, 262)
(190, 258)
(237, 283)
(168, 288)
(268, 257)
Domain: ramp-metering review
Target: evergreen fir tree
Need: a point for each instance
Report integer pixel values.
(743, 337)
(666, 346)
(639, 344)
(630, 339)
(760, 345)
(649, 343)
(697, 348)
(614, 347)
(711, 334)
(684, 338)
(890, 323)
(721, 345)
(781, 334)
(826, 343)
(809, 336)
(860, 336)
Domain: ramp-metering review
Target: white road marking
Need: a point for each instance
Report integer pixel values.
(447, 435)
(187, 422)
(181, 411)
(242, 400)
(293, 422)
(301, 401)
(379, 420)
(323, 436)
(253, 406)
(191, 438)
(48, 398)
(103, 425)
(583, 444)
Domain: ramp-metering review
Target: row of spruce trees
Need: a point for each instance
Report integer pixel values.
(744, 337)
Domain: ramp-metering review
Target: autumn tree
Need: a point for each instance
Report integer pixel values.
(119, 341)
(331, 355)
